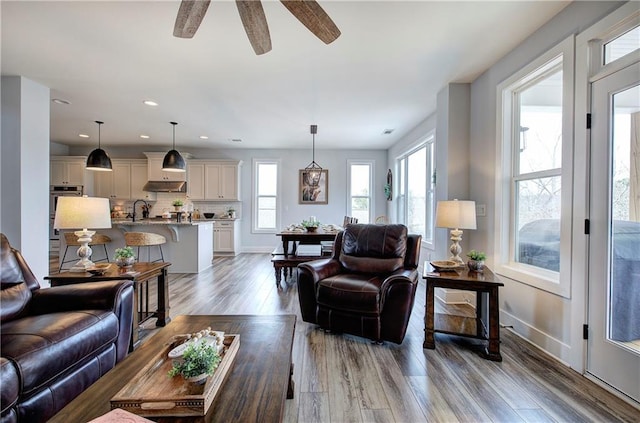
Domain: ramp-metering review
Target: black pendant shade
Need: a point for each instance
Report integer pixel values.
(173, 161)
(98, 158)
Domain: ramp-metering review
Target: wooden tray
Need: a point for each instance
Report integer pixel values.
(152, 393)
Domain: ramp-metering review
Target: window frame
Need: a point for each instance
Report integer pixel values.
(371, 196)
(428, 143)
(505, 222)
(254, 187)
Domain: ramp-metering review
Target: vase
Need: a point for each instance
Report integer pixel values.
(197, 380)
(124, 262)
(178, 208)
(476, 265)
(311, 228)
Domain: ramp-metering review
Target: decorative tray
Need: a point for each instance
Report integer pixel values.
(99, 269)
(152, 393)
(445, 265)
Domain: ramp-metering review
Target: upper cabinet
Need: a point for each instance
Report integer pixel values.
(67, 170)
(124, 182)
(155, 172)
(214, 180)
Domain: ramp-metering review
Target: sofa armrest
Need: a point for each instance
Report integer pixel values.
(321, 269)
(399, 292)
(80, 296)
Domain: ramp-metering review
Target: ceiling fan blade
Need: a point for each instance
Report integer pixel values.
(189, 17)
(255, 25)
(311, 15)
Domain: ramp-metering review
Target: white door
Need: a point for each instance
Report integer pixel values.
(613, 354)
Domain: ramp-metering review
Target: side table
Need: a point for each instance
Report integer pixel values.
(485, 284)
(139, 273)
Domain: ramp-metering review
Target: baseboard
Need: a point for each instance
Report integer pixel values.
(543, 341)
(255, 250)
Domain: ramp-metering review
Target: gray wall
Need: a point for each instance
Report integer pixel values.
(542, 317)
(24, 216)
(291, 161)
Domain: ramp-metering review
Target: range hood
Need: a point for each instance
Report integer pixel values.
(165, 186)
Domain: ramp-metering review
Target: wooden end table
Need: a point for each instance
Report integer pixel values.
(485, 284)
(139, 273)
(257, 387)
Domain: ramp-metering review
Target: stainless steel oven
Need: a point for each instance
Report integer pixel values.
(55, 192)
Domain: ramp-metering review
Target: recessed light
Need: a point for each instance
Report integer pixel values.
(204, 137)
(146, 137)
(387, 131)
(236, 140)
(150, 103)
(61, 101)
(83, 135)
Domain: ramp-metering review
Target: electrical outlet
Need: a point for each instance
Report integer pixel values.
(481, 210)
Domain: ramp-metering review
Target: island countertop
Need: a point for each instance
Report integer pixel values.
(156, 221)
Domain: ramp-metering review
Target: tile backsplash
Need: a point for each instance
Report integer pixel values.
(164, 202)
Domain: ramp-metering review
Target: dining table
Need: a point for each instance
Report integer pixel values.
(305, 237)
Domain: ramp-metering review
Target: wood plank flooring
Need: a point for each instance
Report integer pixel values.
(343, 378)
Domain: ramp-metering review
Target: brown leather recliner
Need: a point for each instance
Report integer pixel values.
(367, 288)
(57, 341)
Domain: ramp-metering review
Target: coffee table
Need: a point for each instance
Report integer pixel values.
(255, 391)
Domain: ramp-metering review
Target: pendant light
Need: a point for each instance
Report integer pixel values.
(98, 159)
(173, 161)
(313, 169)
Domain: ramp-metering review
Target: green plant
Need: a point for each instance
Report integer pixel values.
(198, 358)
(310, 224)
(125, 252)
(476, 255)
(178, 203)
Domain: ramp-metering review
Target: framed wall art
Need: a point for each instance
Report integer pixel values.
(309, 194)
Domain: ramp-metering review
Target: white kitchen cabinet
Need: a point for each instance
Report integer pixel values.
(155, 172)
(139, 175)
(225, 236)
(67, 170)
(124, 182)
(195, 181)
(221, 181)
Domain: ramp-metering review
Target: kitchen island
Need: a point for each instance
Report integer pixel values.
(189, 245)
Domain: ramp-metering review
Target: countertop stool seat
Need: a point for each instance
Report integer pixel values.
(145, 239)
(72, 241)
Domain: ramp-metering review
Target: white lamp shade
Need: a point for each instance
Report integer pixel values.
(82, 213)
(456, 214)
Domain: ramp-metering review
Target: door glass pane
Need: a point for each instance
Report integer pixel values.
(624, 254)
(538, 222)
(540, 129)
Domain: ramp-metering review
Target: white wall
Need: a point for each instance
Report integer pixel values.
(542, 317)
(24, 205)
(291, 160)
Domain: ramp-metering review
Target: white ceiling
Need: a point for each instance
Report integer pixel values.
(383, 72)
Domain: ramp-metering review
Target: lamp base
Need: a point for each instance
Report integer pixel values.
(84, 251)
(456, 249)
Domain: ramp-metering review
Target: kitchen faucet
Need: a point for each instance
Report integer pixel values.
(134, 208)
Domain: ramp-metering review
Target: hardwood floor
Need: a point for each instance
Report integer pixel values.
(343, 378)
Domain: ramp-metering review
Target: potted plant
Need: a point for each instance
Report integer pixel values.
(124, 257)
(231, 212)
(178, 203)
(476, 260)
(310, 225)
(199, 361)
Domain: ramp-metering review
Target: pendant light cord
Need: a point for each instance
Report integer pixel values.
(174, 133)
(99, 126)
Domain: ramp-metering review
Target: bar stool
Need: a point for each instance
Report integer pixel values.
(145, 239)
(72, 241)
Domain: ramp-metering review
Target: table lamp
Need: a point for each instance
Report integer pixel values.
(456, 215)
(82, 213)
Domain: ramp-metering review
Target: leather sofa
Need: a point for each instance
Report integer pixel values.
(55, 341)
(368, 287)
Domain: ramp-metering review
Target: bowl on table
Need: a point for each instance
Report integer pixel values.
(99, 269)
(209, 215)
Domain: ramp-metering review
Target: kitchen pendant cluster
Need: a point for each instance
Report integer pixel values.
(98, 158)
(173, 161)
(314, 171)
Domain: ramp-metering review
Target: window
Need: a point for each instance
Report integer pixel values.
(621, 45)
(534, 198)
(265, 189)
(360, 190)
(416, 189)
